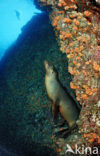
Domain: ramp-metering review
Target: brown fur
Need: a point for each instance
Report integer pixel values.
(62, 101)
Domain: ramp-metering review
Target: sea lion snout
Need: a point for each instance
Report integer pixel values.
(46, 64)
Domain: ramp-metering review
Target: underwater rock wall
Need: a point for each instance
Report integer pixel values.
(77, 27)
(26, 122)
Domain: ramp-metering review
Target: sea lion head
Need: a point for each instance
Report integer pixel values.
(50, 70)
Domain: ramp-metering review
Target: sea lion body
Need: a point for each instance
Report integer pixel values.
(62, 101)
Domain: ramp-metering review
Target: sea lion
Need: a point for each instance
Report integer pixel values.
(62, 101)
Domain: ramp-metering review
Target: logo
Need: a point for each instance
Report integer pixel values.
(81, 150)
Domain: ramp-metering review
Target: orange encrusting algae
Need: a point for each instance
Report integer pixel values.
(67, 20)
(96, 66)
(87, 13)
(91, 137)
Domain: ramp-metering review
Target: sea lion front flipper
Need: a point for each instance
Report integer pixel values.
(55, 109)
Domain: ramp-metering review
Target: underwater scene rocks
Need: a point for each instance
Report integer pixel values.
(77, 27)
(26, 123)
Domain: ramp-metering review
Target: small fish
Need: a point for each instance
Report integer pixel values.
(17, 14)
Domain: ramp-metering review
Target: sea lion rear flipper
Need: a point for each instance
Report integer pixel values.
(55, 109)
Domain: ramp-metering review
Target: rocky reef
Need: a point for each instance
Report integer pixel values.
(26, 123)
(77, 28)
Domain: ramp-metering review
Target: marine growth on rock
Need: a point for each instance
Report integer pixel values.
(77, 27)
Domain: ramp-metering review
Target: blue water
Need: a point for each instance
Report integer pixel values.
(14, 14)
